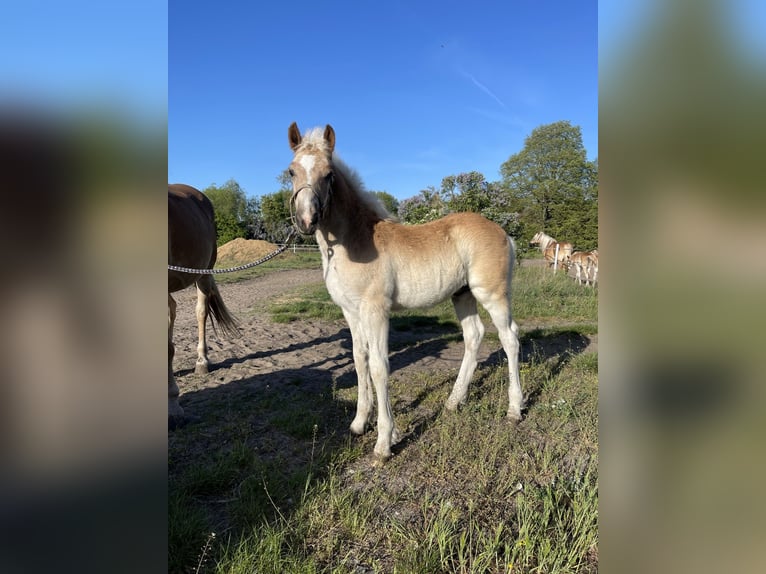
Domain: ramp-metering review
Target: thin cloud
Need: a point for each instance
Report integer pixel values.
(484, 89)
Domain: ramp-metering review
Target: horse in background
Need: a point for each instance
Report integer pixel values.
(592, 267)
(547, 245)
(373, 265)
(192, 243)
(586, 266)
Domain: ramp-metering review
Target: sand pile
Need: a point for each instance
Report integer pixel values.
(240, 251)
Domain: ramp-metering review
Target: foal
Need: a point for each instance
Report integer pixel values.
(373, 265)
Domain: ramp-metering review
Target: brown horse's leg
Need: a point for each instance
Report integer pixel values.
(174, 409)
(203, 292)
(473, 332)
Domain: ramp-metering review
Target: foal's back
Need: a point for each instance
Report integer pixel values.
(433, 261)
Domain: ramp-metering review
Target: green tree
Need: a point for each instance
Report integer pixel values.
(422, 208)
(231, 210)
(472, 192)
(276, 215)
(389, 202)
(554, 186)
(466, 192)
(254, 226)
(275, 210)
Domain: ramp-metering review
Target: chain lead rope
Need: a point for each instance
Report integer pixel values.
(232, 269)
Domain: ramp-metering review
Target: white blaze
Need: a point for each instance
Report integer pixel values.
(307, 162)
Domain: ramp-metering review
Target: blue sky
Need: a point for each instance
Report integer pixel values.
(416, 91)
(79, 54)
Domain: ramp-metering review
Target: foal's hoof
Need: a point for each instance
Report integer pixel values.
(201, 369)
(514, 417)
(381, 459)
(358, 428)
(453, 404)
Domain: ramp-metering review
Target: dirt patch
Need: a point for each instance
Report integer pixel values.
(273, 354)
(240, 251)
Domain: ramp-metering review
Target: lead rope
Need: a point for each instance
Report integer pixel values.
(239, 268)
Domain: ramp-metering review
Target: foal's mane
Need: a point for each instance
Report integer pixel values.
(314, 138)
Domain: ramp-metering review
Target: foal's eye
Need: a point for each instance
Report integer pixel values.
(291, 172)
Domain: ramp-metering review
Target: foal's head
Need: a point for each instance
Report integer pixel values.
(312, 175)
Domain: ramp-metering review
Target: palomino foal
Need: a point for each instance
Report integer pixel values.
(373, 265)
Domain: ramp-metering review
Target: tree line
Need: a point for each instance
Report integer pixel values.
(549, 186)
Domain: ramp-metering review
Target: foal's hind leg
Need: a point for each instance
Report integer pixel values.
(500, 311)
(174, 409)
(473, 332)
(204, 289)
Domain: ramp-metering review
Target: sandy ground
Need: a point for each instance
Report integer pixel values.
(285, 351)
(271, 354)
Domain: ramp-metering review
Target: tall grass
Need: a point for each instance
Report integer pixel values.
(286, 489)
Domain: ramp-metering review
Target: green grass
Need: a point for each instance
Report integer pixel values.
(286, 260)
(286, 489)
(540, 295)
(537, 296)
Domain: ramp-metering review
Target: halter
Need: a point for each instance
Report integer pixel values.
(323, 205)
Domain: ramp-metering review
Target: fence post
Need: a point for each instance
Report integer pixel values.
(556, 259)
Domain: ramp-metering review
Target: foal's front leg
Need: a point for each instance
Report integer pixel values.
(361, 364)
(374, 320)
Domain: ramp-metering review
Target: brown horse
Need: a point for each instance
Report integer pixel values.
(373, 265)
(192, 243)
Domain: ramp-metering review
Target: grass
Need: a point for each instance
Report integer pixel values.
(286, 260)
(286, 489)
(537, 297)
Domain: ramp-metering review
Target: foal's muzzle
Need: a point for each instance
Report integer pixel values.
(307, 223)
(304, 223)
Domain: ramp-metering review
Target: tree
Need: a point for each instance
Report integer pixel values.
(254, 225)
(276, 215)
(471, 192)
(230, 205)
(422, 208)
(275, 210)
(389, 201)
(553, 185)
(466, 192)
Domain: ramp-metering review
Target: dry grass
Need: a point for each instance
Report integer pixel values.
(286, 489)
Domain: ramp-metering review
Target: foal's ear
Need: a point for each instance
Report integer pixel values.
(329, 137)
(294, 136)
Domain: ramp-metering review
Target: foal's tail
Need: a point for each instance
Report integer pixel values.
(514, 253)
(220, 314)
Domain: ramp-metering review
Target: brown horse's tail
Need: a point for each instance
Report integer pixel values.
(220, 314)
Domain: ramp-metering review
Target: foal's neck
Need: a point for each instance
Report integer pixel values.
(350, 220)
